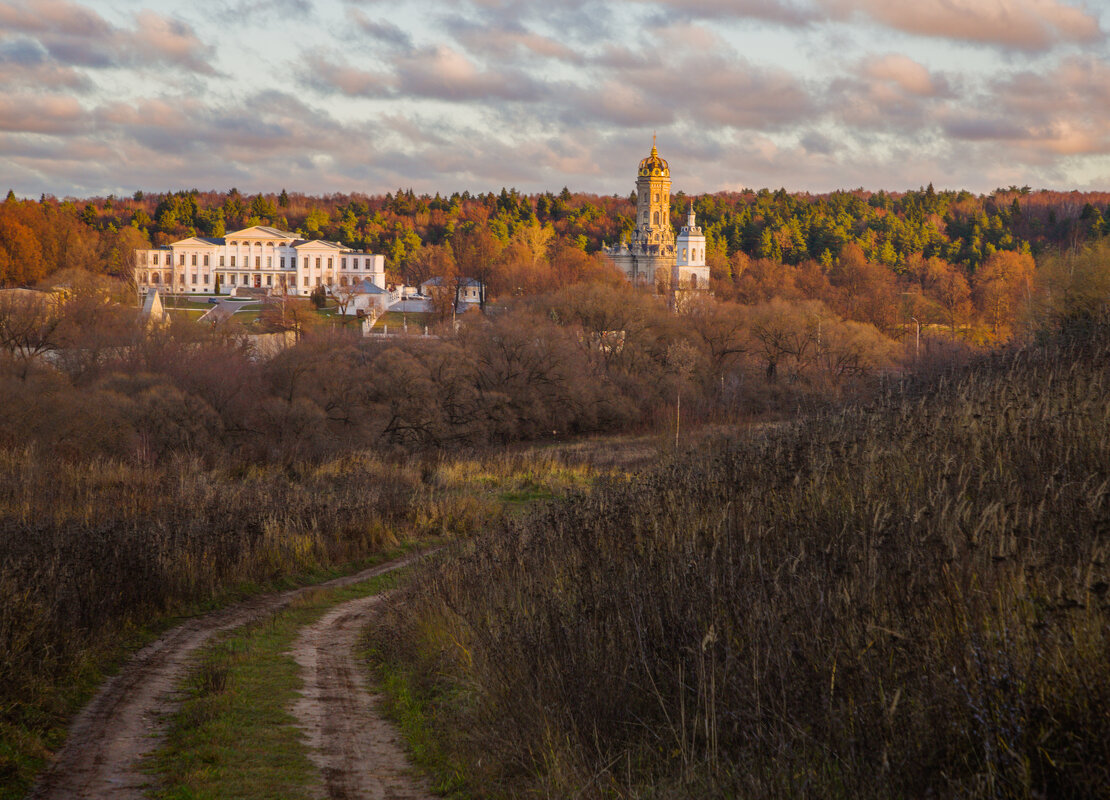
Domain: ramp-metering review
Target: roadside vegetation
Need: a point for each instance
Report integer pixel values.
(908, 599)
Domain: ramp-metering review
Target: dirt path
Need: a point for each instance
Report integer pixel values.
(125, 720)
(356, 751)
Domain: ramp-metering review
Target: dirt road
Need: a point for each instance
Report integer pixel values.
(356, 751)
(124, 721)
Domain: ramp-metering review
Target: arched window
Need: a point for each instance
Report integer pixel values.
(656, 218)
(154, 277)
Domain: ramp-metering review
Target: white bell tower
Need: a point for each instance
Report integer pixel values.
(690, 271)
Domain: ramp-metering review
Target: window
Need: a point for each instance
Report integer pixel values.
(343, 280)
(154, 278)
(354, 263)
(181, 260)
(269, 261)
(194, 278)
(342, 263)
(206, 279)
(317, 277)
(317, 262)
(156, 259)
(683, 253)
(306, 262)
(269, 280)
(258, 244)
(657, 197)
(194, 259)
(145, 279)
(232, 281)
(293, 280)
(233, 261)
(221, 261)
(329, 263)
(283, 262)
(169, 277)
(656, 217)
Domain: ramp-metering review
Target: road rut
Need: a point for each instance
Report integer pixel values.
(125, 720)
(356, 751)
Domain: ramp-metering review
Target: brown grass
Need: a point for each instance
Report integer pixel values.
(909, 600)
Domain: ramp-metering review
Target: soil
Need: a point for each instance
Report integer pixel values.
(357, 752)
(125, 720)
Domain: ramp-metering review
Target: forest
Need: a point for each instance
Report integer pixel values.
(938, 258)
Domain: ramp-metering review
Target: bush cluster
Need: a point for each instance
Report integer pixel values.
(909, 600)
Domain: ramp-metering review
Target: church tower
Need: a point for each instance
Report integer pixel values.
(690, 271)
(647, 257)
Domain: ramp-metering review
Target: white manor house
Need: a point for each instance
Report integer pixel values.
(260, 257)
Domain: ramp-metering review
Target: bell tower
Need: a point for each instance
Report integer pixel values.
(648, 255)
(653, 233)
(690, 270)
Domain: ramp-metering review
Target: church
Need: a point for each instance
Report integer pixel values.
(653, 255)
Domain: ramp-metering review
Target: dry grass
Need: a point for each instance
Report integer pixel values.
(909, 600)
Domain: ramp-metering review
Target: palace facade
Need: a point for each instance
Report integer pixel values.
(256, 258)
(652, 254)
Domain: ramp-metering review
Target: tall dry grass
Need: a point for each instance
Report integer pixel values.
(90, 551)
(904, 601)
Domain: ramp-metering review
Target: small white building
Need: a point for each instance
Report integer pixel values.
(256, 258)
(470, 290)
(369, 298)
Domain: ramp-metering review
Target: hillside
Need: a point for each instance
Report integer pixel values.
(905, 600)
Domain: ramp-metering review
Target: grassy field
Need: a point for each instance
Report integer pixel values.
(101, 555)
(901, 601)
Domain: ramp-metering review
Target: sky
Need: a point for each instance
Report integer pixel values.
(105, 97)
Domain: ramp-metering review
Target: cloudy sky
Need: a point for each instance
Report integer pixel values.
(110, 96)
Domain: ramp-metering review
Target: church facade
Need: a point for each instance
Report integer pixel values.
(260, 257)
(652, 254)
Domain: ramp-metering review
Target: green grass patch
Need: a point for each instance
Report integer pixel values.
(234, 735)
(413, 709)
(396, 321)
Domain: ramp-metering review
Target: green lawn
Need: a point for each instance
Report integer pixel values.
(396, 321)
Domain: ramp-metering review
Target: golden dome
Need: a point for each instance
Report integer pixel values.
(653, 165)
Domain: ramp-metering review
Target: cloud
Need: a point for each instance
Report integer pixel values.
(784, 12)
(74, 35)
(339, 76)
(1030, 25)
(380, 31)
(511, 42)
(712, 89)
(25, 63)
(444, 73)
(905, 73)
(23, 113)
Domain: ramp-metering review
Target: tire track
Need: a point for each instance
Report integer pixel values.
(126, 719)
(356, 750)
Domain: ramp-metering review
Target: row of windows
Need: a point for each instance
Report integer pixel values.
(257, 261)
(229, 279)
(695, 253)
